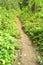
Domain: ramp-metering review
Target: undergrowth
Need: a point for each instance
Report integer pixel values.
(32, 23)
(8, 33)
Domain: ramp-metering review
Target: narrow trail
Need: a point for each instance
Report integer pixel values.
(28, 55)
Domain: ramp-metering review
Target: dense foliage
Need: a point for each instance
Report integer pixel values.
(32, 19)
(8, 33)
(31, 15)
(6, 49)
(8, 22)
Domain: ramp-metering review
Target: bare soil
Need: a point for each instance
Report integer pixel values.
(28, 53)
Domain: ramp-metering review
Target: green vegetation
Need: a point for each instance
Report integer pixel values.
(6, 49)
(8, 22)
(32, 19)
(31, 14)
(8, 33)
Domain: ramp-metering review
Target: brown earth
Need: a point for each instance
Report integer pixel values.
(28, 53)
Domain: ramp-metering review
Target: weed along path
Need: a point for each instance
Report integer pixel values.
(28, 54)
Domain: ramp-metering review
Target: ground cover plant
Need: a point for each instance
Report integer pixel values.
(6, 49)
(8, 22)
(32, 22)
(8, 33)
(31, 15)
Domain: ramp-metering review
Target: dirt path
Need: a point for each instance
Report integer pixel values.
(28, 55)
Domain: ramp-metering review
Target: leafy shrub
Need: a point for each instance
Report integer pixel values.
(6, 49)
(8, 22)
(8, 30)
(33, 25)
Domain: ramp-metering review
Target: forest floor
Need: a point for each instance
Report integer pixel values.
(28, 53)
